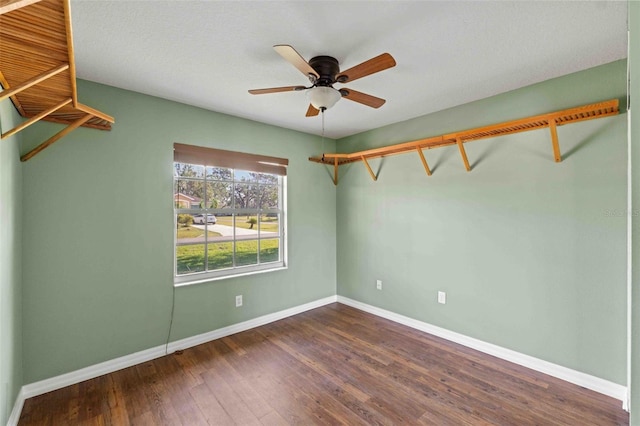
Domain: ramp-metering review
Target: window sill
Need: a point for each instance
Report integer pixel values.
(202, 280)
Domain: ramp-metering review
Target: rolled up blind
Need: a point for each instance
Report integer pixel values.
(230, 159)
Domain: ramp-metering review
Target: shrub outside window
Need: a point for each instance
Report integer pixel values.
(228, 221)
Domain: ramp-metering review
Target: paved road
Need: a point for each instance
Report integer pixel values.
(226, 232)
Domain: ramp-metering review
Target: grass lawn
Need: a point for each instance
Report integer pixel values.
(192, 232)
(190, 258)
(267, 224)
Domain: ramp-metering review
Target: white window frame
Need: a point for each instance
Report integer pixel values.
(234, 270)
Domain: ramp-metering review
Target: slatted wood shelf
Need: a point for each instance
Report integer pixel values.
(549, 120)
(37, 67)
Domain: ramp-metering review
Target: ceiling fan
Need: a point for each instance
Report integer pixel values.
(323, 72)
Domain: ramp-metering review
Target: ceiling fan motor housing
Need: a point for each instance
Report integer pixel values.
(323, 72)
(327, 68)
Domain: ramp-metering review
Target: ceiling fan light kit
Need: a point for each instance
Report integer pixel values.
(323, 97)
(323, 72)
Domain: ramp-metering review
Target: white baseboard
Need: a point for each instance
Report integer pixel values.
(247, 325)
(17, 409)
(71, 378)
(93, 371)
(597, 384)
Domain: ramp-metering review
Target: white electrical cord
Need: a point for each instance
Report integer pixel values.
(173, 307)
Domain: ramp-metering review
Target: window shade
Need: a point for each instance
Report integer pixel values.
(230, 159)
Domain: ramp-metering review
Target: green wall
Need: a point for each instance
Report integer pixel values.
(98, 216)
(634, 68)
(531, 253)
(10, 263)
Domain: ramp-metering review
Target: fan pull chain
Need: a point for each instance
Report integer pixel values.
(322, 111)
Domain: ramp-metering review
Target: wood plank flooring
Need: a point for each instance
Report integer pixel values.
(332, 365)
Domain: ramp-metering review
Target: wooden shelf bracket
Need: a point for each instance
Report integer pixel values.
(463, 154)
(366, 163)
(33, 81)
(424, 161)
(79, 122)
(35, 118)
(550, 120)
(554, 140)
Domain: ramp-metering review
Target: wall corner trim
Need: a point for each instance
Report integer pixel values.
(77, 376)
(593, 383)
(17, 409)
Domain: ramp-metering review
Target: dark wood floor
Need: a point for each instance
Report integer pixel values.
(332, 365)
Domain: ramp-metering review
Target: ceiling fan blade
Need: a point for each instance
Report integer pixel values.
(373, 65)
(276, 90)
(312, 111)
(362, 98)
(294, 58)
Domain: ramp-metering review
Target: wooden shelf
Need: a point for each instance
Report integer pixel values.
(37, 67)
(549, 120)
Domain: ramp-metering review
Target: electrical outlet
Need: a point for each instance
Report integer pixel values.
(379, 284)
(238, 301)
(442, 297)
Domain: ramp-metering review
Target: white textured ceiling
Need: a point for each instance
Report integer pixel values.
(209, 53)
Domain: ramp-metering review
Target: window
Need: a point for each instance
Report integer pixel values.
(229, 213)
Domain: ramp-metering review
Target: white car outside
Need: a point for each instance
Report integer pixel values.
(200, 218)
